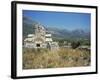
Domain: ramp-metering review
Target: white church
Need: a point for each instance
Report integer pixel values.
(40, 39)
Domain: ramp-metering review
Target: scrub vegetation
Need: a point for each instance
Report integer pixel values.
(64, 57)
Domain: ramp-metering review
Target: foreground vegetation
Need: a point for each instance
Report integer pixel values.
(64, 57)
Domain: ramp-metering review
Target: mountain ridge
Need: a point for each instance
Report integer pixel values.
(29, 25)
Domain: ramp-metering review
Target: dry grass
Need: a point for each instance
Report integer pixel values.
(64, 57)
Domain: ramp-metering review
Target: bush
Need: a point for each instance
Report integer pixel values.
(75, 44)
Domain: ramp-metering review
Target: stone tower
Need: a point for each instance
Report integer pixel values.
(39, 34)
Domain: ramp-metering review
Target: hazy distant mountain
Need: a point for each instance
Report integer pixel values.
(28, 28)
(64, 33)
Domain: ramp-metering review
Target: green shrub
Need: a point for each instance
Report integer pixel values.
(75, 45)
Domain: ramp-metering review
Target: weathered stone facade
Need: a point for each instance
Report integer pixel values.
(40, 39)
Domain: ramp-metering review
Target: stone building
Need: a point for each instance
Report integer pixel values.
(40, 39)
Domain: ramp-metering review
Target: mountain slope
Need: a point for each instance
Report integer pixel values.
(29, 25)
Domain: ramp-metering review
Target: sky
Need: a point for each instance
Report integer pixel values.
(62, 20)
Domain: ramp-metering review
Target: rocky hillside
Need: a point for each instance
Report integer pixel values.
(28, 28)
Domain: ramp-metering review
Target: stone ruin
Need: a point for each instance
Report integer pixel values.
(40, 39)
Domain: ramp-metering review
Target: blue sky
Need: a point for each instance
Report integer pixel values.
(63, 20)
